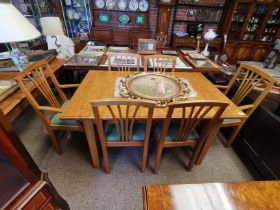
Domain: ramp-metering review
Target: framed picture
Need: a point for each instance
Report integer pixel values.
(147, 46)
(169, 52)
(140, 19)
(114, 49)
(202, 64)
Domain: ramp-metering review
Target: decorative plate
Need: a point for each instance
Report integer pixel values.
(70, 14)
(124, 18)
(143, 5)
(68, 2)
(133, 5)
(110, 4)
(161, 88)
(100, 4)
(77, 15)
(122, 4)
(104, 18)
(140, 19)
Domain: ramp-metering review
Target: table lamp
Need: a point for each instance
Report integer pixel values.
(52, 29)
(15, 28)
(208, 37)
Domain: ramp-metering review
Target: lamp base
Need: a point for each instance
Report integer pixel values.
(205, 51)
(19, 58)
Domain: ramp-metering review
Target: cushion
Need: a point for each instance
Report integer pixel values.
(57, 121)
(173, 131)
(231, 120)
(138, 133)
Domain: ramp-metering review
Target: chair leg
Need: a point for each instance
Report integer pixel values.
(54, 141)
(233, 135)
(144, 160)
(159, 153)
(105, 157)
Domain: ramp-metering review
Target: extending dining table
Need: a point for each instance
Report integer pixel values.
(101, 85)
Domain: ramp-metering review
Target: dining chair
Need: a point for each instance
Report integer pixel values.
(124, 61)
(196, 125)
(39, 76)
(159, 63)
(243, 82)
(124, 130)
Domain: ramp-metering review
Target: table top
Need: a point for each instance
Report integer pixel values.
(101, 85)
(222, 196)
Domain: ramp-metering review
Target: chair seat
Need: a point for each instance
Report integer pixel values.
(231, 120)
(138, 133)
(173, 131)
(57, 121)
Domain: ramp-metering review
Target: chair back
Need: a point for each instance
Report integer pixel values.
(160, 63)
(123, 61)
(192, 113)
(246, 78)
(37, 75)
(123, 112)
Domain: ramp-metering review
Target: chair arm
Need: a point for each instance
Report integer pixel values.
(246, 107)
(51, 109)
(69, 86)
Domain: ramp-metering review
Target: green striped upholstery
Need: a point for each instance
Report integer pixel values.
(173, 131)
(57, 121)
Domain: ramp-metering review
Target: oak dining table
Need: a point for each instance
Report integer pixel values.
(223, 196)
(101, 85)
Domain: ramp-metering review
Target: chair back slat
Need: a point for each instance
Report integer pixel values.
(123, 61)
(39, 74)
(192, 114)
(160, 62)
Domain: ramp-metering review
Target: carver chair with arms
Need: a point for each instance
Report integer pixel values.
(39, 75)
(183, 131)
(244, 81)
(122, 129)
(159, 63)
(123, 61)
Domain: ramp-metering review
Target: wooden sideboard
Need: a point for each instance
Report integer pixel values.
(118, 36)
(23, 184)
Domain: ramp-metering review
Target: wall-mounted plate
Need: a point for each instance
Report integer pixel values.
(140, 19)
(122, 4)
(104, 18)
(100, 4)
(124, 18)
(143, 5)
(133, 5)
(110, 4)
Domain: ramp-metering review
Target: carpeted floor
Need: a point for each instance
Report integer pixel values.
(85, 187)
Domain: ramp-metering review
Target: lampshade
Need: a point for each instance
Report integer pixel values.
(14, 26)
(51, 26)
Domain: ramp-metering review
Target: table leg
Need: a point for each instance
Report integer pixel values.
(209, 142)
(89, 130)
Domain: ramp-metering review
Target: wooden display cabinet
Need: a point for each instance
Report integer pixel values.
(23, 185)
(119, 26)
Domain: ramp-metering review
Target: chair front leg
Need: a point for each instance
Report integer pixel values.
(158, 158)
(54, 140)
(144, 160)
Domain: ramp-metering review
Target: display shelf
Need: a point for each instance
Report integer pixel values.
(200, 6)
(116, 10)
(194, 21)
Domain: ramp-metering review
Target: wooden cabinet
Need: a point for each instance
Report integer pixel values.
(119, 23)
(23, 185)
(115, 36)
(258, 143)
(246, 51)
(252, 20)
